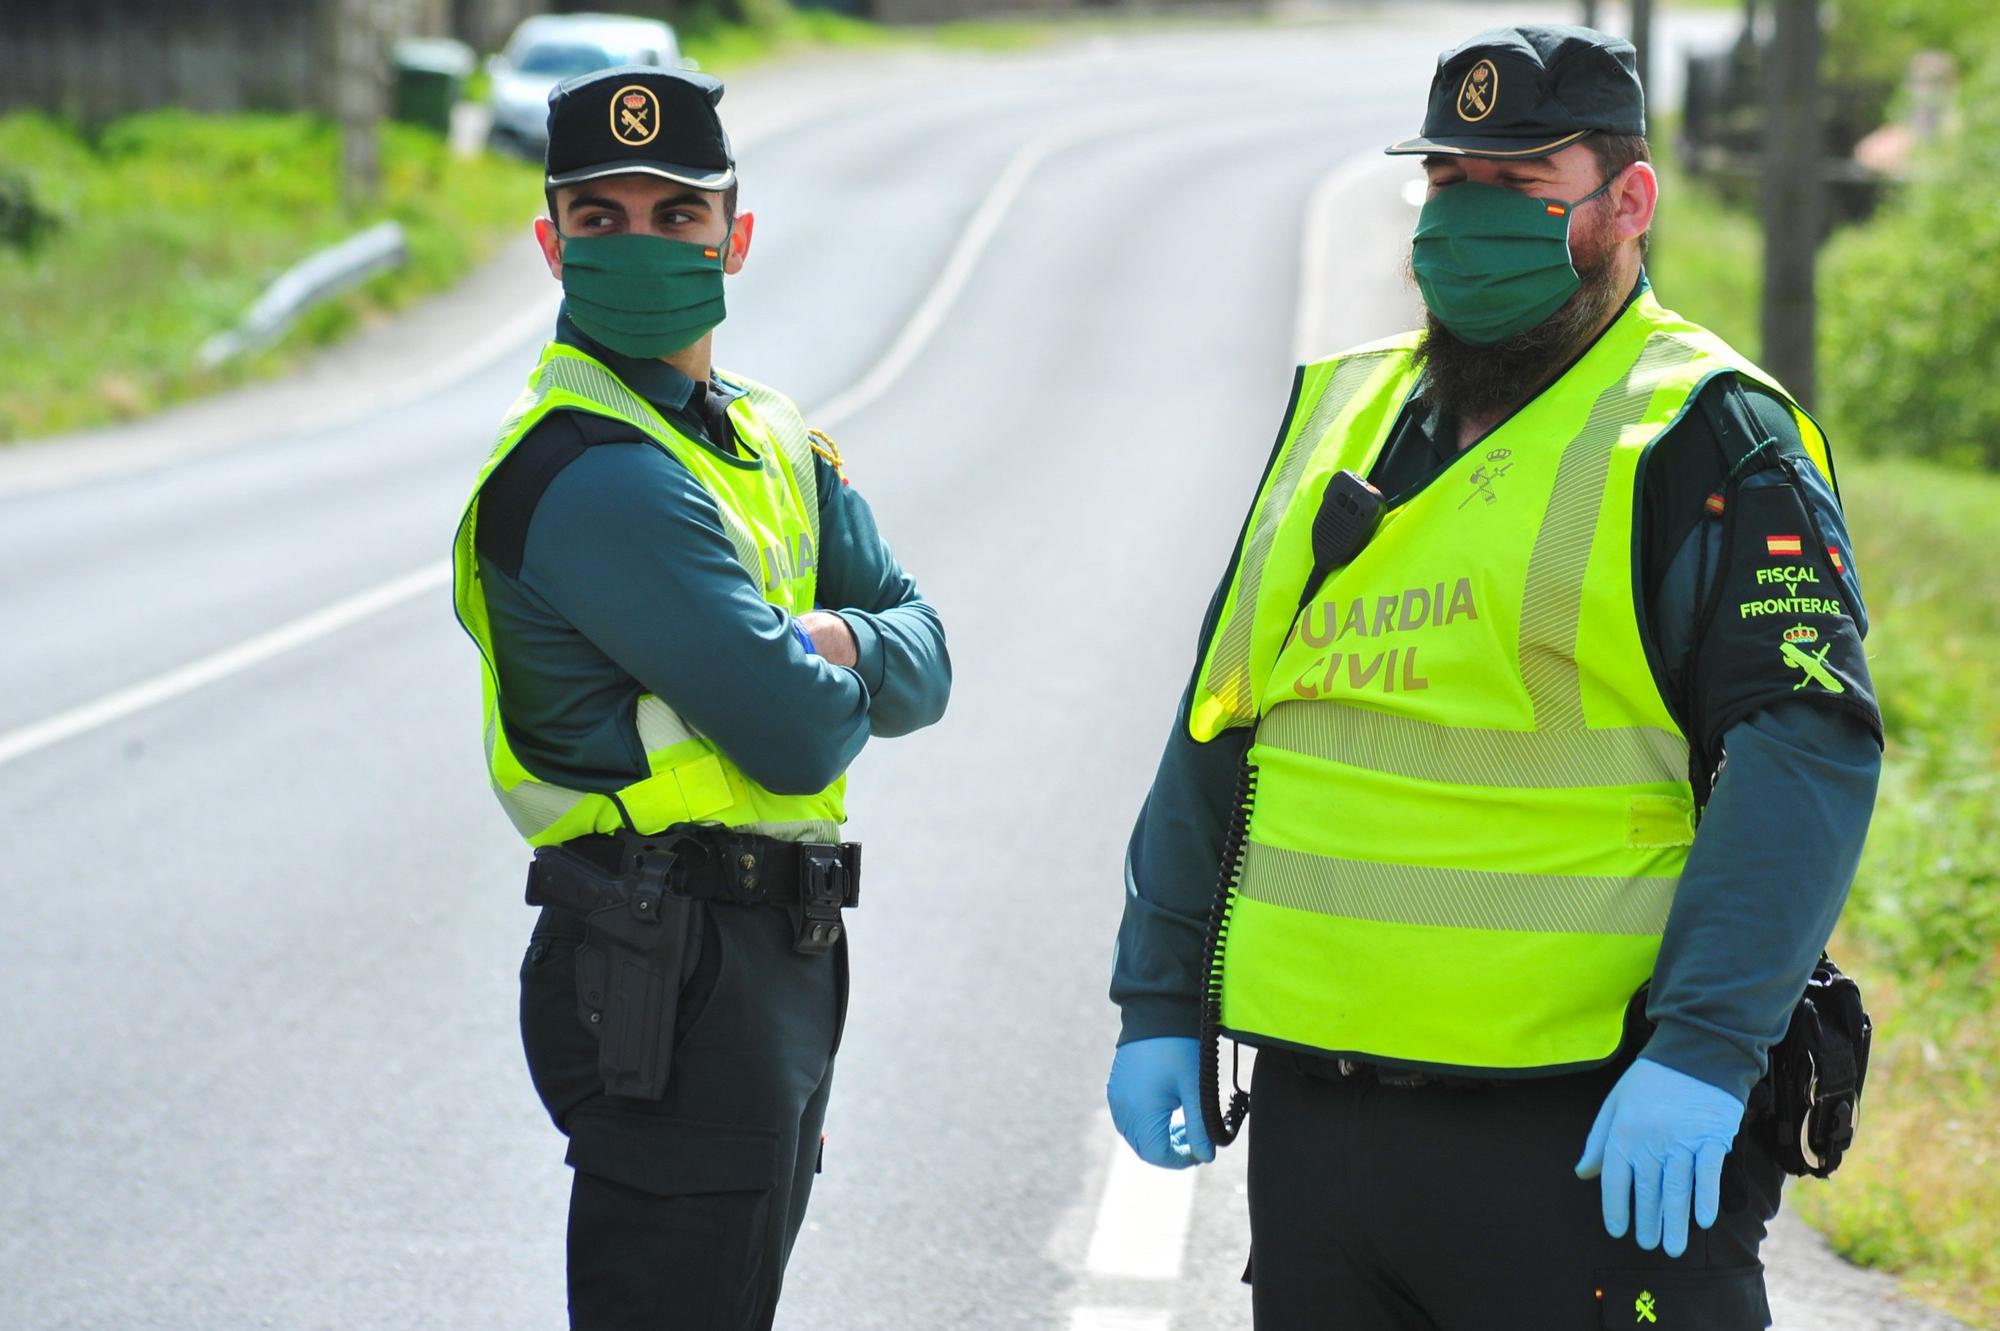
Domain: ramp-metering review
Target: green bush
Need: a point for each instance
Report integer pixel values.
(1870, 42)
(1910, 303)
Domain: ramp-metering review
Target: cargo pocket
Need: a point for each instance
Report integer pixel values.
(1665, 1299)
(667, 1214)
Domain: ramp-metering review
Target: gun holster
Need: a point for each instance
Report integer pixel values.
(628, 968)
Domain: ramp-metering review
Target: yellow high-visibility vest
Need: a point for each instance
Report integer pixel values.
(1472, 802)
(770, 507)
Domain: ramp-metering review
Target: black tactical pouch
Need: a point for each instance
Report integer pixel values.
(1807, 1103)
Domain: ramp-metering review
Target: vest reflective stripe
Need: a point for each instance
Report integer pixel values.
(1338, 401)
(1472, 805)
(1476, 756)
(1456, 898)
(763, 508)
(766, 415)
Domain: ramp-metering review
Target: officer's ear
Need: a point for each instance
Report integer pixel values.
(1633, 200)
(737, 247)
(551, 243)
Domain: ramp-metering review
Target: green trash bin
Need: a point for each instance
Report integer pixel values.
(430, 74)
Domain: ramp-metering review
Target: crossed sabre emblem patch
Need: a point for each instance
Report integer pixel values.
(635, 116)
(1644, 1306)
(1478, 95)
(1793, 649)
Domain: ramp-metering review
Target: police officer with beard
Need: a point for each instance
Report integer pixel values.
(689, 625)
(1533, 745)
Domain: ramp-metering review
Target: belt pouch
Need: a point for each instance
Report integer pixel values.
(628, 979)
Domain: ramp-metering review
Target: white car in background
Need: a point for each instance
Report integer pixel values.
(549, 48)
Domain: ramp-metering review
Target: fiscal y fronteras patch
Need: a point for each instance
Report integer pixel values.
(1793, 648)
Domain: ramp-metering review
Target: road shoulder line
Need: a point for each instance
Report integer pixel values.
(915, 332)
(231, 660)
(1360, 205)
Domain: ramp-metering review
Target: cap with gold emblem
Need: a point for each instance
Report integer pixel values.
(1530, 91)
(660, 122)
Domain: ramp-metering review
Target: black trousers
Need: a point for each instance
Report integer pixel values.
(1375, 1208)
(683, 1211)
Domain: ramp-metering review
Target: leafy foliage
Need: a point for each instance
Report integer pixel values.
(1912, 301)
(163, 230)
(1870, 42)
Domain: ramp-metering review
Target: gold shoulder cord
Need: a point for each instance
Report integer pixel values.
(823, 444)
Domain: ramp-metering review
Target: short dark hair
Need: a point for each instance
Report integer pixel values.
(1615, 152)
(728, 204)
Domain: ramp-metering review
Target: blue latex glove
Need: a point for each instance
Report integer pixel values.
(805, 638)
(1662, 1135)
(1150, 1079)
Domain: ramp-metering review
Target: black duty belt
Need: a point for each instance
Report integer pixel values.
(1328, 1068)
(813, 881)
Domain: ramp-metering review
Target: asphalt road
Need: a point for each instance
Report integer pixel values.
(257, 1009)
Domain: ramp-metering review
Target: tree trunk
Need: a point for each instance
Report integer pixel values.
(1794, 197)
(355, 43)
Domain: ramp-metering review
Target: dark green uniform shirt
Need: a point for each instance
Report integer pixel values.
(608, 574)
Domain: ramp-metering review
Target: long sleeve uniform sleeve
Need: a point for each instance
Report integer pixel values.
(627, 546)
(1775, 852)
(899, 639)
(1171, 864)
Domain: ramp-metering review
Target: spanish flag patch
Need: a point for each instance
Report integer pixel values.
(1833, 553)
(1784, 545)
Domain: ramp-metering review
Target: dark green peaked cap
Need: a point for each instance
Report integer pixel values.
(638, 118)
(1530, 91)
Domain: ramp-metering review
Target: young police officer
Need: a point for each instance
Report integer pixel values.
(1449, 737)
(689, 627)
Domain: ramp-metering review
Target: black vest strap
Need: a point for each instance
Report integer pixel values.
(508, 500)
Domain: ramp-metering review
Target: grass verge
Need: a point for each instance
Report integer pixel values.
(164, 229)
(775, 29)
(1920, 1195)
(724, 47)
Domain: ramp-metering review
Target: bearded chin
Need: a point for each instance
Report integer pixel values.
(1464, 380)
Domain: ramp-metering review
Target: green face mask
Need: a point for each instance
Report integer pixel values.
(642, 296)
(1493, 262)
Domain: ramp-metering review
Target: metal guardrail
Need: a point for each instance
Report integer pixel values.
(340, 268)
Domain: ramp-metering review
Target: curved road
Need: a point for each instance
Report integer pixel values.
(258, 1026)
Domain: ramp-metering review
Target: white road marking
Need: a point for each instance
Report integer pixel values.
(1315, 254)
(229, 661)
(1323, 232)
(930, 313)
(1142, 1218)
(1117, 1319)
(917, 331)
